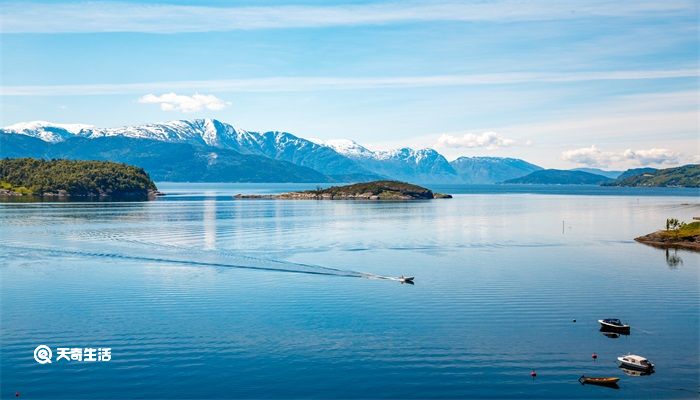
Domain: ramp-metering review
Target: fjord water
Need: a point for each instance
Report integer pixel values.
(203, 296)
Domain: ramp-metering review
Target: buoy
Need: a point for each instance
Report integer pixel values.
(594, 355)
(16, 394)
(574, 320)
(533, 374)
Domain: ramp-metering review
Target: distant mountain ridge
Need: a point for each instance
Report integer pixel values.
(561, 177)
(491, 169)
(213, 148)
(598, 171)
(420, 165)
(178, 162)
(636, 171)
(684, 176)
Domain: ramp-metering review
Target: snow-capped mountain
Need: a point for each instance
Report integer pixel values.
(198, 131)
(346, 147)
(423, 165)
(164, 161)
(48, 131)
(210, 132)
(338, 160)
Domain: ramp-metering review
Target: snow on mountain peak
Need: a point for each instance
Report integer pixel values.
(48, 131)
(36, 125)
(346, 147)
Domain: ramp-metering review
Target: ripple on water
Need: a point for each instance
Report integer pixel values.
(497, 288)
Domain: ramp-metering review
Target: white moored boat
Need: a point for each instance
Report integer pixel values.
(635, 362)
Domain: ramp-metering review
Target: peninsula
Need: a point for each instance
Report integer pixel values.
(684, 176)
(73, 178)
(676, 235)
(376, 190)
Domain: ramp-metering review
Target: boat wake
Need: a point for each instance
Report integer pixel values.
(206, 259)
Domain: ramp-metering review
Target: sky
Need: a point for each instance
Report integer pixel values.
(562, 84)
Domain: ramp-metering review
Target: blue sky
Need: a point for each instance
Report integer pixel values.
(561, 84)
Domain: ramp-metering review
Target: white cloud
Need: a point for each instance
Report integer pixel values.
(489, 140)
(21, 17)
(588, 156)
(186, 104)
(652, 156)
(594, 157)
(315, 83)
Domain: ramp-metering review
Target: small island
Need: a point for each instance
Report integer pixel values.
(376, 190)
(676, 235)
(37, 178)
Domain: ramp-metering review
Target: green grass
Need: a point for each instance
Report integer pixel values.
(687, 231)
(17, 189)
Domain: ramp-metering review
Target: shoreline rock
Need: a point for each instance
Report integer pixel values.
(660, 239)
(62, 194)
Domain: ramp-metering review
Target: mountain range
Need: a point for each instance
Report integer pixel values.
(211, 150)
(208, 150)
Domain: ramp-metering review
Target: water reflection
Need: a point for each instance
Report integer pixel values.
(636, 372)
(209, 222)
(673, 260)
(613, 335)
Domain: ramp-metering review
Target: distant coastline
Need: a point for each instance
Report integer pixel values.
(683, 176)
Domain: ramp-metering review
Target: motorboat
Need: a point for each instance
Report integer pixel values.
(601, 381)
(406, 279)
(613, 324)
(632, 361)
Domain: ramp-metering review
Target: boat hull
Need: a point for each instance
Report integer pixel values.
(613, 327)
(624, 329)
(635, 367)
(602, 381)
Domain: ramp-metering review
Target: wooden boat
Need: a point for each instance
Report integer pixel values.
(613, 324)
(603, 381)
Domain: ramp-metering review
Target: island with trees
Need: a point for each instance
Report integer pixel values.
(375, 190)
(73, 178)
(676, 235)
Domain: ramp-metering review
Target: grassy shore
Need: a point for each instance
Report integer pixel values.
(687, 236)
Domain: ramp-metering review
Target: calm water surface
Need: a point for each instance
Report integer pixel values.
(202, 296)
